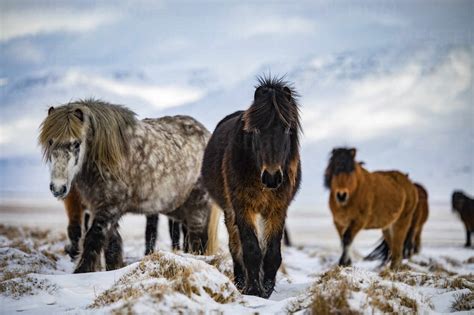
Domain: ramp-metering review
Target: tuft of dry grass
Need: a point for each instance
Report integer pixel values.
(470, 260)
(383, 298)
(331, 293)
(159, 275)
(17, 287)
(463, 302)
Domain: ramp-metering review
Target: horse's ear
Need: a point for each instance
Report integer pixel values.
(287, 92)
(79, 114)
(258, 93)
(50, 110)
(353, 152)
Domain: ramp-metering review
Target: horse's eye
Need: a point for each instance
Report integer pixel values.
(76, 144)
(50, 142)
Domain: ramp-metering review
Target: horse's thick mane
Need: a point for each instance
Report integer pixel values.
(341, 161)
(274, 99)
(109, 141)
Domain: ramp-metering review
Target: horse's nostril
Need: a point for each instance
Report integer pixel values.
(272, 181)
(341, 196)
(63, 190)
(51, 187)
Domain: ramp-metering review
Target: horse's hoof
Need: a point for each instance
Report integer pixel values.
(268, 287)
(83, 269)
(345, 262)
(71, 250)
(467, 245)
(252, 290)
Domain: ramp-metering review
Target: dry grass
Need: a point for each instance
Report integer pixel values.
(384, 298)
(463, 302)
(159, 275)
(331, 293)
(470, 260)
(18, 287)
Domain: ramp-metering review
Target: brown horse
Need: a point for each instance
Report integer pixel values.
(360, 199)
(464, 206)
(412, 244)
(251, 168)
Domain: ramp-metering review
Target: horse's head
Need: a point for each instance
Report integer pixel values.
(271, 126)
(63, 140)
(340, 175)
(457, 200)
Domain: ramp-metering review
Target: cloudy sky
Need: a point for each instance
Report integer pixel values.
(393, 79)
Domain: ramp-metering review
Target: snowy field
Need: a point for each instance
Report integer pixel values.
(36, 277)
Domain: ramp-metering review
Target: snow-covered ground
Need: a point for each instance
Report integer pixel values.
(36, 277)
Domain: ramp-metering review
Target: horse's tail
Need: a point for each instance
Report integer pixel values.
(212, 230)
(380, 252)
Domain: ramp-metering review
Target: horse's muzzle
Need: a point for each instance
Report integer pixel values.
(58, 192)
(342, 196)
(272, 180)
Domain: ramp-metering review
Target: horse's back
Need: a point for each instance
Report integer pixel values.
(180, 125)
(394, 189)
(214, 156)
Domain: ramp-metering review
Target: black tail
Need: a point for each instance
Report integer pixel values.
(380, 252)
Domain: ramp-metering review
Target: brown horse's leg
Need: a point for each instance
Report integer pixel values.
(251, 253)
(347, 237)
(399, 231)
(235, 249)
(271, 262)
(74, 210)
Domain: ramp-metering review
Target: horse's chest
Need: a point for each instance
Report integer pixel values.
(260, 230)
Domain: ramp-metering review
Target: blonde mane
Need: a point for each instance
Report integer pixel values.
(107, 139)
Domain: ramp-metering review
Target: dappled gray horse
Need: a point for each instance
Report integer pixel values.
(121, 164)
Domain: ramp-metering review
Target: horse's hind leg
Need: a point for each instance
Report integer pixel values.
(175, 234)
(74, 210)
(94, 240)
(151, 233)
(398, 232)
(113, 249)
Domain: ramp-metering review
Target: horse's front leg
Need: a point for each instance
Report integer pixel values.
(94, 241)
(271, 262)
(151, 233)
(74, 210)
(113, 249)
(347, 237)
(251, 252)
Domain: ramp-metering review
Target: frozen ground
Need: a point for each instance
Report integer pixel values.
(36, 275)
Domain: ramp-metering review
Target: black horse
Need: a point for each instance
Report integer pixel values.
(252, 169)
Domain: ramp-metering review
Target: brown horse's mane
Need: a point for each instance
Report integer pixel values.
(274, 99)
(341, 161)
(109, 141)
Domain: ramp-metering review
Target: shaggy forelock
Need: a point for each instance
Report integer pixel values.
(274, 103)
(341, 161)
(107, 131)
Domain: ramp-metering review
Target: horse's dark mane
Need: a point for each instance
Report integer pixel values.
(274, 99)
(341, 161)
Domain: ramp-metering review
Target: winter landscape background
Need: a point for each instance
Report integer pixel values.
(392, 78)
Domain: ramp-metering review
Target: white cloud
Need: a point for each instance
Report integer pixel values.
(24, 51)
(18, 23)
(18, 137)
(3, 81)
(275, 26)
(159, 96)
(386, 102)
